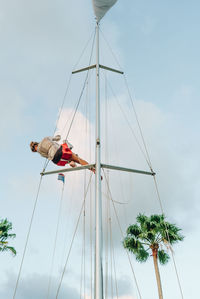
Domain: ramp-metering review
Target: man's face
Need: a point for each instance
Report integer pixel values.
(35, 148)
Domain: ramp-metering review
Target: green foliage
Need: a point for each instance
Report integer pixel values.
(142, 255)
(134, 230)
(5, 227)
(150, 233)
(163, 257)
(132, 244)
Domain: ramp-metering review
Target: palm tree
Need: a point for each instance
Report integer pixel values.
(5, 227)
(152, 235)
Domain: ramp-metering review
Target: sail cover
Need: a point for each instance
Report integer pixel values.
(101, 7)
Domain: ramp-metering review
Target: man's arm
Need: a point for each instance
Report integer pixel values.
(56, 138)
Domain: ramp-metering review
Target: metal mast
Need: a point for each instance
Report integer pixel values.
(98, 279)
(98, 204)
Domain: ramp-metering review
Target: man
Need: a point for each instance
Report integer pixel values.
(58, 154)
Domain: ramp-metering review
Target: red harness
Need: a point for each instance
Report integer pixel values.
(66, 155)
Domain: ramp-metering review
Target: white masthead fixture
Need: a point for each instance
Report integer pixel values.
(101, 7)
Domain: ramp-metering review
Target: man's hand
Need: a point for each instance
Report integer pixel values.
(72, 164)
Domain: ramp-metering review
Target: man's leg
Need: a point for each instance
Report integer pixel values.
(80, 161)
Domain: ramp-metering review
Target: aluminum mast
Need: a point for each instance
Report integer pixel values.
(98, 289)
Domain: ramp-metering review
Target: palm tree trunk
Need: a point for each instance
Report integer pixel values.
(155, 261)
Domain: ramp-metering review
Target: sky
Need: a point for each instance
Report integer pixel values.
(156, 44)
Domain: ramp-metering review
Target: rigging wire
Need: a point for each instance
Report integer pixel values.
(82, 282)
(88, 130)
(27, 238)
(44, 168)
(69, 81)
(132, 131)
(139, 126)
(106, 250)
(84, 210)
(113, 280)
(118, 202)
(55, 241)
(107, 202)
(68, 218)
(172, 253)
(109, 111)
(148, 157)
(91, 245)
(46, 164)
(83, 88)
(113, 257)
(67, 89)
(64, 269)
(137, 286)
(88, 185)
(133, 106)
(87, 133)
(109, 237)
(84, 214)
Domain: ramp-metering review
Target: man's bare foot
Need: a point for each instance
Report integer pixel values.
(94, 171)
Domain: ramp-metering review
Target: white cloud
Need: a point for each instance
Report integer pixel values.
(168, 163)
(33, 286)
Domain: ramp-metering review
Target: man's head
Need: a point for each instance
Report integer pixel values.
(33, 146)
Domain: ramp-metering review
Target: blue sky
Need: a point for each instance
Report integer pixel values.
(157, 44)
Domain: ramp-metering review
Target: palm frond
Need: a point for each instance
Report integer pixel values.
(134, 230)
(151, 236)
(8, 248)
(163, 257)
(171, 233)
(141, 219)
(142, 255)
(149, 231)
(132, 244)
(5, 227)
(157, 218)
(12, 250)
